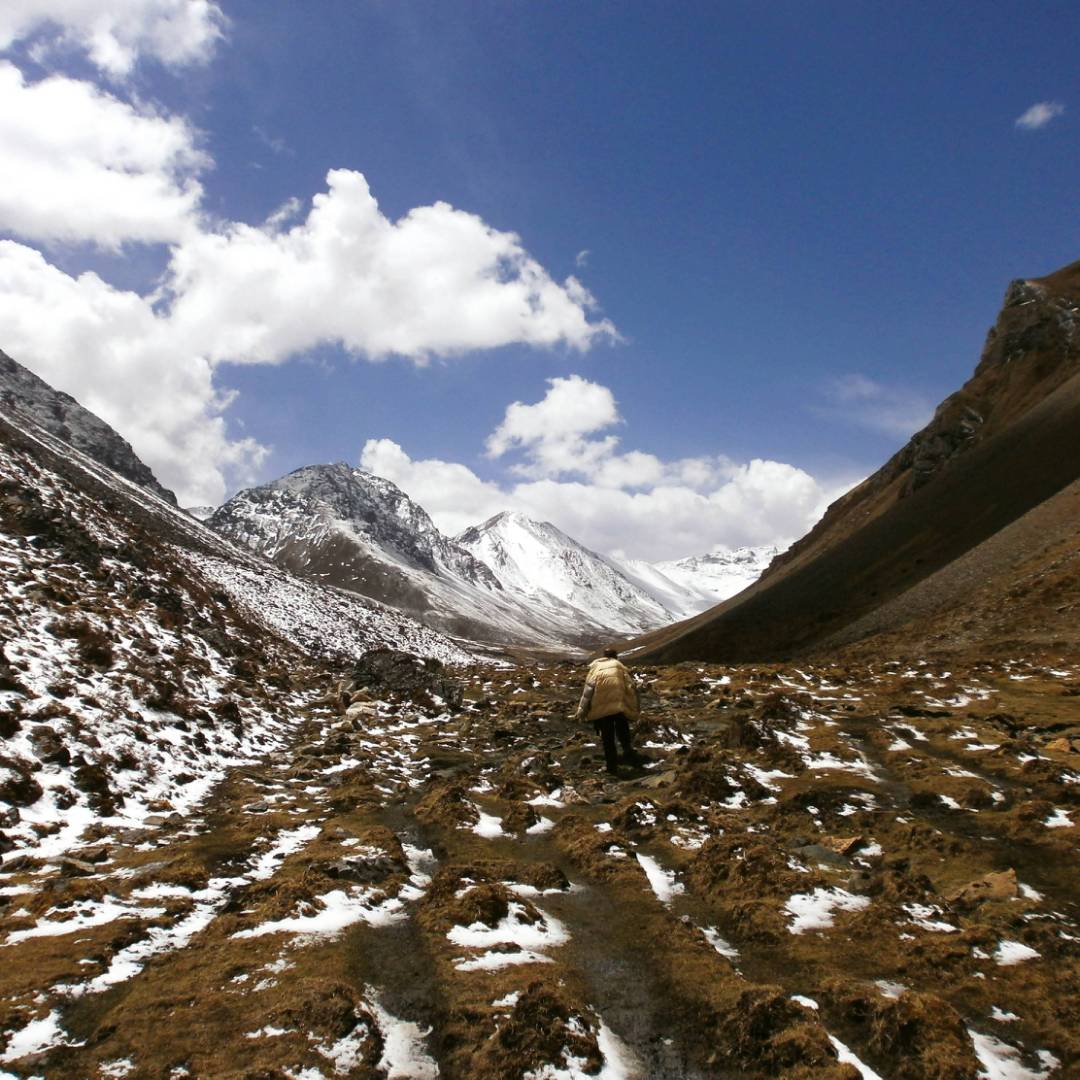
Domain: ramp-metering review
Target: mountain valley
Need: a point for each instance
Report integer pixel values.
(299, 792)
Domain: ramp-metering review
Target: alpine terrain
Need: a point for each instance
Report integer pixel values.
(255, 823)
(510, 580)
(965, 537)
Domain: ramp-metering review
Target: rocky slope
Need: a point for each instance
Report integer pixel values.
(821, 873)
(141, 654)
(1007, 442)
(345, 527)
(60, 414)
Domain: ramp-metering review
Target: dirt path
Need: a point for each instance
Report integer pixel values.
(795, 885)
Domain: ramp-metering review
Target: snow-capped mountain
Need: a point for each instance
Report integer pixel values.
(345, 527)
(508, 580)
(720, 574)
(537, 561)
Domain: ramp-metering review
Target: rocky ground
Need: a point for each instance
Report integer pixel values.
(820, 872)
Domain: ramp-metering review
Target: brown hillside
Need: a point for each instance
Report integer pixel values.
(995, 450)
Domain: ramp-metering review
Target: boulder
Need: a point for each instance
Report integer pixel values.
(1000, 886)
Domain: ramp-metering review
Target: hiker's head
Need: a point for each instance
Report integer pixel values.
(611, 654)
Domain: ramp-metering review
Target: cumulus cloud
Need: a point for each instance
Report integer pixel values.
(864, 402)
(630, 503)
(116, 33)
(112, 352)
(87, 166)
(1039, 115)
(81, 165)
(436, 282)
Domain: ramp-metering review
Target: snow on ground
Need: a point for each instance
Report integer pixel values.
(36, 1037)
(529, 930)
(619, 1062)
(1000, 1061)
(814, 911)
(317, 618)
(723, 947)
(405, 1055)
(662, 881)
(1009, 953)
(846, 1057)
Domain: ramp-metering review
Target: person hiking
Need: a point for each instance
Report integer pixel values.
(610, 701)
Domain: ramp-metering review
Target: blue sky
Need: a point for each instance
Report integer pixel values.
(798, 221)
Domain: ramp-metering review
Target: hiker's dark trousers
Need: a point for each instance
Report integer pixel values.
(610, 728)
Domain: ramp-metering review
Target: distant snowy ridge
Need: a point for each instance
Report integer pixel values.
(720, 574)
(538, 561)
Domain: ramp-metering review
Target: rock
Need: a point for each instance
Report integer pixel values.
(95, 854)
(70, 867)
(365, 871)
(10, 722)
(1001, 886)
(842, 845)
(17, 786)
(257, 808)
(660, 779)
(20, 862)
(1061, 746)
(406, 674)
(361, 710)
(48, 745)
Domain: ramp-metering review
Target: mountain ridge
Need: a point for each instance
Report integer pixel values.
(995, 450)
(59, 413)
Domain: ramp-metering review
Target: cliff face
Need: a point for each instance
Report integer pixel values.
(1004, 443)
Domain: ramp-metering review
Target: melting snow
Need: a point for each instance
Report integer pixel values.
(846, 1057)
(813, 911)
(36, 1037)
(1009, 953)
(662, 881)
(1000, 1061)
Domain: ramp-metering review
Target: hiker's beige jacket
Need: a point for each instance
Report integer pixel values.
(608, 690)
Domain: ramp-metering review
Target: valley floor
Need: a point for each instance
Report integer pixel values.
(821, 872)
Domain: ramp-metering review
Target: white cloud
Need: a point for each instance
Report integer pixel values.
(864, 402)
(582, 258)
(81, 165)
(108, 349)
(435, 283)
(1039, 115)
(85, 166)
(552, 433)
(625, 502)
(116, 33)
(438, 281)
